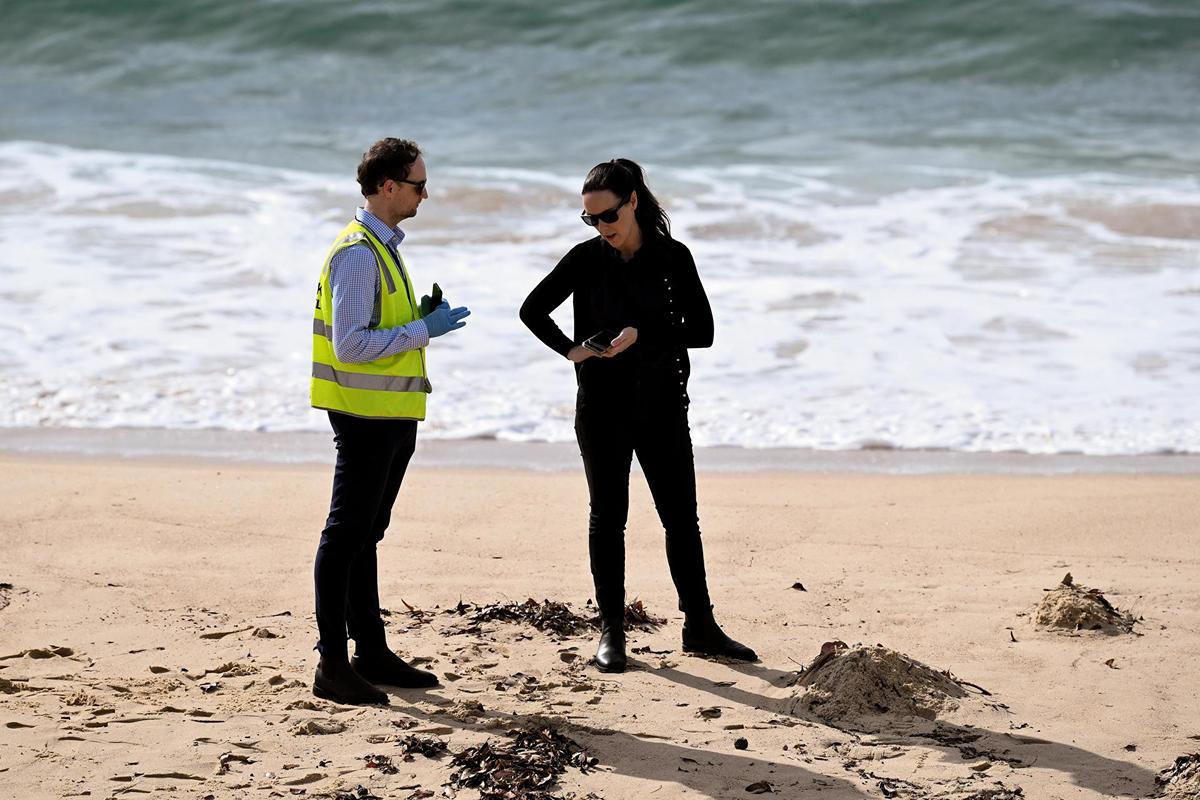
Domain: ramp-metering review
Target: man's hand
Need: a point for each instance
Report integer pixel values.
(444, 319)
(623, 342)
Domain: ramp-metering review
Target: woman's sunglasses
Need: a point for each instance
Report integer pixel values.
(607, 217)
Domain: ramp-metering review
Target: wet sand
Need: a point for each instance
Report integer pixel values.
(156, 632)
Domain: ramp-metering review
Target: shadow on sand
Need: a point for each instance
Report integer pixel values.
(1098, 773)
(714, 774)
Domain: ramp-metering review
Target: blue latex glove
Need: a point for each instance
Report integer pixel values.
(444, 319)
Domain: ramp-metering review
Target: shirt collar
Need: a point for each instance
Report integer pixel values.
(389, 236)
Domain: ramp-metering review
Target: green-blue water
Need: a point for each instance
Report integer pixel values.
(1102, 84)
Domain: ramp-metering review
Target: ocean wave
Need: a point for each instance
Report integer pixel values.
(917, 36)
(1103, 85)
(955, 309)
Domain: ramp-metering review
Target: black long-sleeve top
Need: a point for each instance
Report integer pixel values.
(658, 292)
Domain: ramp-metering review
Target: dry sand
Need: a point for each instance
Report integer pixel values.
(156, 625)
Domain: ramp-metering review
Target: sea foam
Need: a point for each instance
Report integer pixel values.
(919, 308)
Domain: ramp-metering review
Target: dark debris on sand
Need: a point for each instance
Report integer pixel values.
(548, 616)
(551, 616)
(1181, 779)
(382, 763)
(964, 741)
(527, 767)
(428, 746)
(416, 616)
(359, 793)
(636, 616)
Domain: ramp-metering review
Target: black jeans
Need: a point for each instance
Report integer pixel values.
(658, 432)
(372, 456)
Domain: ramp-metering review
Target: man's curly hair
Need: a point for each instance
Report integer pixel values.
(386, 159)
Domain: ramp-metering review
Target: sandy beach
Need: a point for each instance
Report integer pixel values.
(157, 634)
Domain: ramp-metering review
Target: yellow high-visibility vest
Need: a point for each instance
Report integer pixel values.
(393, 387)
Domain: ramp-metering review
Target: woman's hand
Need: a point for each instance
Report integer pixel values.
(579, 353)
(624, 340)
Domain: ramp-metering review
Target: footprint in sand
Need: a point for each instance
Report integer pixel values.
(307, 705)
(319, 727)
(230, 758)
(223, 634)
(53, 651)
(233, 669)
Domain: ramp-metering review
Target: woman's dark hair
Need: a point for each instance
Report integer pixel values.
(622, 177)
(386, 159)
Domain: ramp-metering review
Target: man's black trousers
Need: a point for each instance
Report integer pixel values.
(372, 456)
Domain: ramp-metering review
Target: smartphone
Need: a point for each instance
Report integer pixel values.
(600, 341)
(431, 301)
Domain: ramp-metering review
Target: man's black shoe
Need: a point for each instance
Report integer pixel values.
(387, 668)
(702, 634)
(336, 681)
(610, 655)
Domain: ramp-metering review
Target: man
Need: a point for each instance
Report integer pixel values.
(368, 372)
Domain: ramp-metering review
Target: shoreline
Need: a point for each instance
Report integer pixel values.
(304, 447)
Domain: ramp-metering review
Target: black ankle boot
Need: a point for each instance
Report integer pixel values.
(336, 681)
(702, 634)
(389, 669)
(610, 655)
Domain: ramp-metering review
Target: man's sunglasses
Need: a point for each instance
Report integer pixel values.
(420, 185)
(608, 217)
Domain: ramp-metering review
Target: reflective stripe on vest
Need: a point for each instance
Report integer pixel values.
(376, 383)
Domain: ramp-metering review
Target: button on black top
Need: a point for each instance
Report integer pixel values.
(658, 292)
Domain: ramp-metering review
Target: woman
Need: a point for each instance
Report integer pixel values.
(638, 288)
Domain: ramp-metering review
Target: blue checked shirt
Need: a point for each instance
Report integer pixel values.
(354, 279)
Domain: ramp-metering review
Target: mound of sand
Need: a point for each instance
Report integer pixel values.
(1078, 608)
(1180, 780)
(852, 687)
